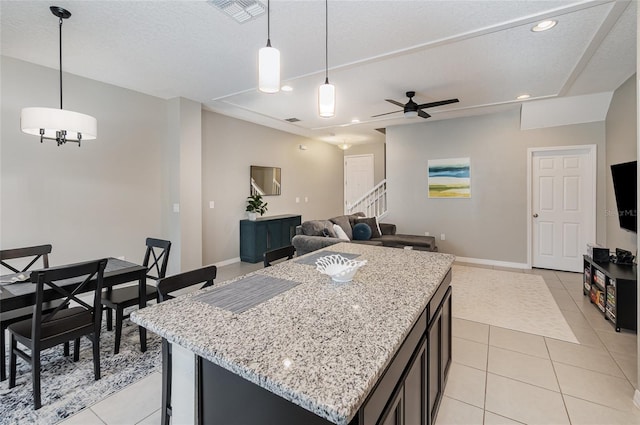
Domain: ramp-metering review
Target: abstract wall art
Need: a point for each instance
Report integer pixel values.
(449, 178)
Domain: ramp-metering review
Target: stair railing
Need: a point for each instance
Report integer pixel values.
(373, 203)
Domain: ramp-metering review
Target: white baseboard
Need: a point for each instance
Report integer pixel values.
(636, 398)
(493, 263)
(227, 262)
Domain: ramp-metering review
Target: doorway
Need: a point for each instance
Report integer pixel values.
(358, 177)
(561, 206)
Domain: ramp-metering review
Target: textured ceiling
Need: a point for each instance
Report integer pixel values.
(482, 52)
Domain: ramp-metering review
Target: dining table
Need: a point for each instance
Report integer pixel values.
(17, 290)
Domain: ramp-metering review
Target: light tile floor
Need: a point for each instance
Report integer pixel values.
(501, 376)
(498, 376)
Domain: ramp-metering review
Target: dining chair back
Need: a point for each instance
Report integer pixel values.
(166, 287)
(22, 260)
(29, 254)
(156, 259)
(276, 254)
(158, 250)
(64, 323)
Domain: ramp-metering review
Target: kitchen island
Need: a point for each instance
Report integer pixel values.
(374, 350)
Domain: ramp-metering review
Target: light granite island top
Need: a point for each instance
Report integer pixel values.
(320, 345)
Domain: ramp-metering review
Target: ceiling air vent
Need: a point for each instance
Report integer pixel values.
(382, 130)
(292, 119)
(240, 10)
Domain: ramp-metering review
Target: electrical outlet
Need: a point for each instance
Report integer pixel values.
(176, 208)
(427, 234)
(211, 204)
(442, 236)
(297, 200)
(306, 199)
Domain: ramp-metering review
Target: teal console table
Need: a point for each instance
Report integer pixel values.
(266, 233)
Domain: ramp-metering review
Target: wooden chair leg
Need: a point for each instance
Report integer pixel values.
(13, 345)
(35, 374)
(109, 319)
(119, 319)
(3, 371)
(96, 356)
(166, 383)
(66, 349)
(76, 350)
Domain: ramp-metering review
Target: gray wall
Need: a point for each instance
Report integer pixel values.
(621, 130)
(492, 224)
(102, 199)
(230, 147)
(379, 158)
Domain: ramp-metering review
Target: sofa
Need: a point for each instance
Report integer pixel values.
(316, 234)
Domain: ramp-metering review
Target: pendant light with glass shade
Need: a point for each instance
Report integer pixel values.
(269, 62)
(58, 124)
(326, 92)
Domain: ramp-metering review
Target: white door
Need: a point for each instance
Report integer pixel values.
(563, 207)
(358, 177)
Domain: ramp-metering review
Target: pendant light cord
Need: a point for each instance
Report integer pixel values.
(60, 50)
(326, 41)
(268, 23)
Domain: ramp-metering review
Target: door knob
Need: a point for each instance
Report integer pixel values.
(535, 215)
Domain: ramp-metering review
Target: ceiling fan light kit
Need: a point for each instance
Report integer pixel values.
(327, 91)
(269, 62)
(58, 124)
(411, 109)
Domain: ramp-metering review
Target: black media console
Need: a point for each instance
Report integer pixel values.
(613, 288)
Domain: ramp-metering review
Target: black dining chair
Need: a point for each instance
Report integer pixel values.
(117, 299)
(275, 254)
(167, 286)
(63, 324)
(27, 257)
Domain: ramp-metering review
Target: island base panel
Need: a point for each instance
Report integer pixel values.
(226, 398)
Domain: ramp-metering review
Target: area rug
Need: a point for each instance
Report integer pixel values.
(511, 300)
(69, 387)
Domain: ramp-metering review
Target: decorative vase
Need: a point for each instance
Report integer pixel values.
(253, 216)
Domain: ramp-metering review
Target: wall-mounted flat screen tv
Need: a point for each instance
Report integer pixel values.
(266, 180)
(624, 185)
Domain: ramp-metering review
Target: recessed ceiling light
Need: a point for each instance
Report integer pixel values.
(523, 96)
(544, 25)
(286, 88)
(355, 121)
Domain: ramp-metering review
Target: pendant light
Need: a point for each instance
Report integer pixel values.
(269, 63)
(326, 92)
(58, 124)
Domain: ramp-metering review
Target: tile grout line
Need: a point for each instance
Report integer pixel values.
(555, 373)
(486, 377)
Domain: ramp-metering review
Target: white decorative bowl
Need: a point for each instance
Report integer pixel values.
(340, 269)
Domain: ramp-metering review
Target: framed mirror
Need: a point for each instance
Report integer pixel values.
(265, 181)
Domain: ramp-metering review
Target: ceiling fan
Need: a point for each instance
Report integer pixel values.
(412, 109)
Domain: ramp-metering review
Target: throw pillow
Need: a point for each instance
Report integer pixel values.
(318, 228)
(373, 224)
(343, 222)
(361, 232)
(340, 233)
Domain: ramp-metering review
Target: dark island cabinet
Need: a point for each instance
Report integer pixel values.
(264, 234)
(408, 392)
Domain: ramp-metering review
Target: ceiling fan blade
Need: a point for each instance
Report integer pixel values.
(386, 113)
(395, 103)
(423, 114)
(439, 103)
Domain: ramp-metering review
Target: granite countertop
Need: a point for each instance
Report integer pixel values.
(320, 345)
